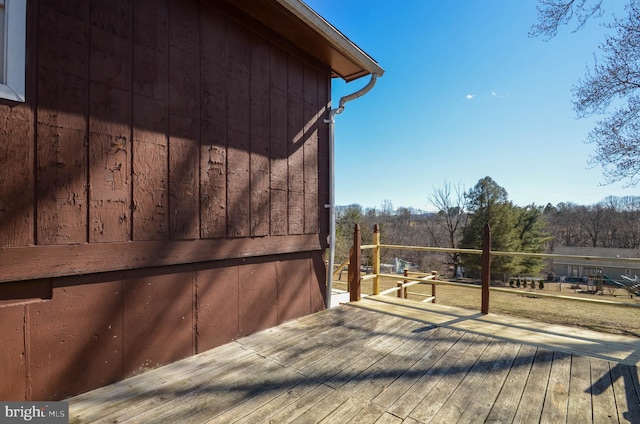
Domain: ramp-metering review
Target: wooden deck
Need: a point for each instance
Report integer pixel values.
(387, 360)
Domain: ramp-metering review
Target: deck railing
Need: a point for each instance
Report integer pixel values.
(355, 277)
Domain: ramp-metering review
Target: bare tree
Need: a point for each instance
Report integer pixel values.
(617, 135)
(613, 222)
(595, 221)
(564, 225)
(450, 202)
(625, 221)
(610, 89)
(554, 13)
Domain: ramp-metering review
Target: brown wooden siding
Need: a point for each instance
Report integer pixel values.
(162, 190)
(279, 216)
(150, 121)
(195, 129)
(213, 168)
(37, 262)
(102, 328)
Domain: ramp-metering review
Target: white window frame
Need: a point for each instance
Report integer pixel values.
(12, 85)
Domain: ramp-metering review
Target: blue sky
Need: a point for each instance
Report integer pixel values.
(466, 94)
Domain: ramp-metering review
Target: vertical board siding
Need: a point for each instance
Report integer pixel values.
(161, 120)
(184, 146)
(239, 131)
(75, 342)
(295, 153)
(258, 306)
(91, 335)
(217, 306)
(324, 102)
(13, 367)
(260, 59)
(151, 29)
(150, 121)
(184, 121)
(318, 280)
(150, 185)
(279, 176)
(110, 121)
(213, 155)
(184, 29)
(62, 126)
(109, 161)
(17, 176)
(156, 120)
(158, 321)
(17, 154)
(312, 120)
(294, 289)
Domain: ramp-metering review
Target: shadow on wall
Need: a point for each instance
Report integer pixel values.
(193, 128)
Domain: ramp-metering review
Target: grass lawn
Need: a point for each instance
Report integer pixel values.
(598, 317)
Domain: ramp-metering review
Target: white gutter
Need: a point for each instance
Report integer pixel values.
(331, 205)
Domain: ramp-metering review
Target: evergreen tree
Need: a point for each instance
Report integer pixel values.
(346, 219)
(531, 227)
(513, 229)
(488, 203)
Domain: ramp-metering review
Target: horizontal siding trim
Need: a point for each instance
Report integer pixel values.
(37, 262)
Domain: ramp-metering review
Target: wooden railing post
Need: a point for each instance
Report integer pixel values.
(405, 289)
(354, 267)
(433, 286)
(376, 259)
(402, 290)
(485, 273)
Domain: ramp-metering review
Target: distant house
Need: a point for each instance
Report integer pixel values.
(586, 268)
(164, 174)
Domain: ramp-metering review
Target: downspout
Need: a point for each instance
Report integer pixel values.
(331, 205)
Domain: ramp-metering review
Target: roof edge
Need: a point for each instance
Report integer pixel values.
(330, 33)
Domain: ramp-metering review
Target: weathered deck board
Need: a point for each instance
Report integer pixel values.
(413, 373)
(604, 403)
(532, 399)
(367, 365)
(450, 380)
(622, 383)
(557, 396)
(294, 410)
(579, 410)
(413, 398)
(471, 386)
(265, 410)
(478, 410)
(573, 340)
(505, 406)
(175, 377)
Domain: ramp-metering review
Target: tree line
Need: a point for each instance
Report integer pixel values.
(460, 216)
